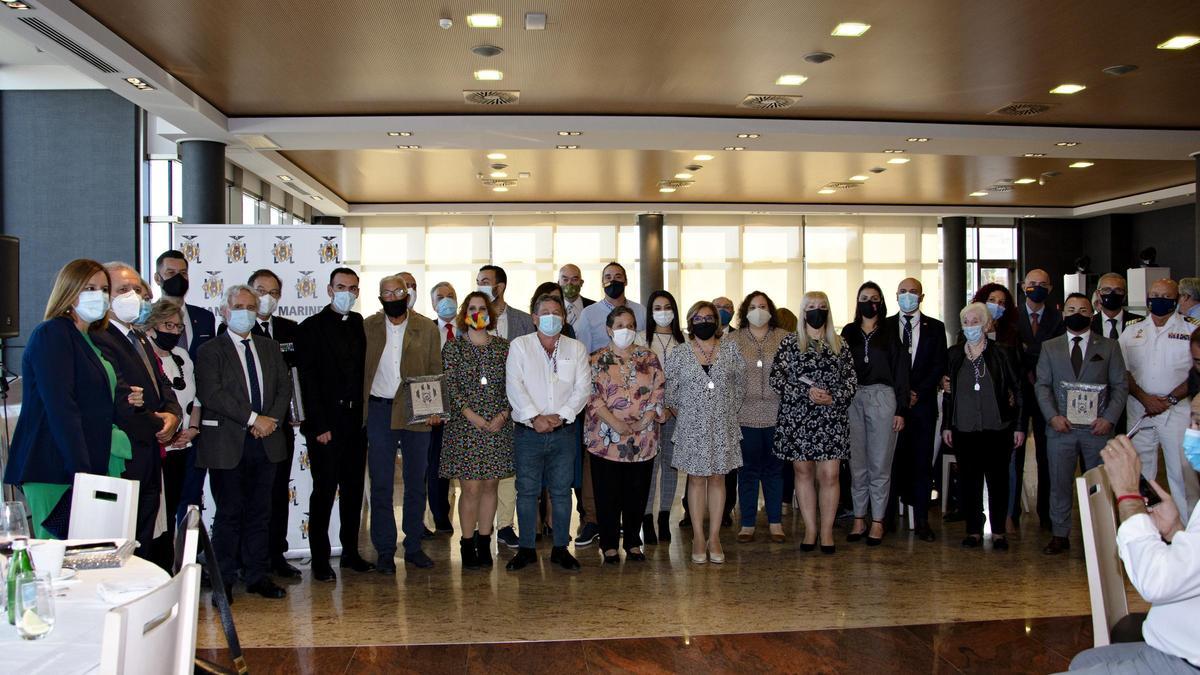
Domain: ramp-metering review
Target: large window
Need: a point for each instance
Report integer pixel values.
(991, 257)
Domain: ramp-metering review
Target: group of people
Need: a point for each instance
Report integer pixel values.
(604, 397)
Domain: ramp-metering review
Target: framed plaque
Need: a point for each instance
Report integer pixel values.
(1084, 402)
(426, 398)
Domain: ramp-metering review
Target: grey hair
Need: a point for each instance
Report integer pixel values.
(979, 309)
(231, 293)
(440, 284)
(546, 297)
(118, 266)
(395, 279)
(1190, 286)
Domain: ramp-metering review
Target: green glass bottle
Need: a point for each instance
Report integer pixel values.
(19, 564)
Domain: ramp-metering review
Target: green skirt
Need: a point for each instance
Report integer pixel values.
(42, 498)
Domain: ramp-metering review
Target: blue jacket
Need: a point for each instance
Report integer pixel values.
(67, 409)
(203, 329)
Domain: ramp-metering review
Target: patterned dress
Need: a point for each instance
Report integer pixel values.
(629, 388)
(469, 453)
(707, 436)
(808, 432)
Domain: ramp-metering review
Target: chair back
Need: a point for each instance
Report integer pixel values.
(191, 537)
(1106, 580)
(155, 634)
(103, 507)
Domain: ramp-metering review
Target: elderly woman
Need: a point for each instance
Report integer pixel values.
(621, 431)
(705, 386)
(980, 415)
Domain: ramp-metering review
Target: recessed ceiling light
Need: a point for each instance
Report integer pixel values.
(850, 29)
(1180, 42)
(892, 151)
(917, 139)
(1030, 216)
(317, 197)
(499, 188)
(1067, 144)
(1034, 154)
(826, 191)
(1148, 203)
(979, 193)
(497, 155)
(1081, 165)
(567, 147)
(859, 178)
(702, 158)
(1025, 181)
(747, 135)
(141, 84)
(489, 74)
(524, 174)
(285, 178)
(570, 133)
(484, 20)
(408, 147)
(498, 174)
(400, 133)
(1068, 89)
(666, 189)
(791, 80)
(16, 4)
(683, 175)
(899, 160)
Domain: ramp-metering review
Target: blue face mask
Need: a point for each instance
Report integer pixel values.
(973, 333)
(550, 324)
(726, 316)
(1162, 306)
(909, 302)
(144, 313)
(92, 305)
(343, 301)
(1191, 447)
(446, 308)
(997, 310)
(241, 320)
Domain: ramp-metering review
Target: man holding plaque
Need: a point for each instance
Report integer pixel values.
(403, 392)
(1081, 390)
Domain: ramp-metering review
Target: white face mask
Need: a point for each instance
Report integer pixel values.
(343, 301)
(486, 290)
(623, 337)
(758, 317)
(267, 304)
(663, 317)
(127, 306)
(92, 305)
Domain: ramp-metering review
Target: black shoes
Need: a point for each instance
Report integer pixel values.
(468, 553)
(523, 557)
(808, 547)
(1057, 545)
(323, 572)
(648, 536)
(418, 559)
(972, 541)
(483, 550)
(284, 570)
(635, 556)
(614, 559)
(560, 556)
(925, 533)
(588, 534)
(664, 527)
(873, 541)
(999, 543)
(267, 589)
(508, 537)
(355, 563)
(828, 550)
(427, 533)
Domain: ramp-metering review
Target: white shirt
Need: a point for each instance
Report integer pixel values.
(387, 374)
(1167, 576)
(916, 333)
(241, 352)
(1083, 344)
(592, 328)
(1106, 325)
(534, 388)
(501, 327)
(442, 323)
(575, 310)
(1159, 358)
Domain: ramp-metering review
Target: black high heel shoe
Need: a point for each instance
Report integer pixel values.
(828, 550)
(872, 541)
(855, 536)
(808, 548)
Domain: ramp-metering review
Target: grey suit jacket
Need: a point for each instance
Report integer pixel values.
(1102, 364)
(221, 386)
(519, 323)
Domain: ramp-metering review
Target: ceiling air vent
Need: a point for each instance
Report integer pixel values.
(768, 101)
(843, 186)
(1022, 109)
(68, 44)
(492, 182)
(491, 97)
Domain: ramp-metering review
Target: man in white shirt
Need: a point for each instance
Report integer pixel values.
(1162, 559)
(571, 281)
(1158, 358)
(548, 382)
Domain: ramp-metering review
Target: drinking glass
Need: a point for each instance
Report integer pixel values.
(13, 525)
(35, 606)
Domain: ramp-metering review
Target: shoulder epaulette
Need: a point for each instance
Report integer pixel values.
(1133, 321)
(1192, 320)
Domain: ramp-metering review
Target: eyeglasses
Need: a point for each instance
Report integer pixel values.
(398, 293)
(171, 327)
(703, 319)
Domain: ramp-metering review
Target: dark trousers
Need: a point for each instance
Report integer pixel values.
(912, 470)
(146, 468)
(759, 466)
(192, 492)
(174, 471)
(383, 442)
(1043, 465)
(281, 498)
(984, 455)
(438, 488)
(243, 498)
(337, 472)
(621, 490)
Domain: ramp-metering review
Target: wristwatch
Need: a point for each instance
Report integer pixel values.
(1172, 399)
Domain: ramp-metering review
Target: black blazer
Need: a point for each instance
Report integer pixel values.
(1050, 325)
(203, 328)
(929, 364)
(284, 331)
(332, 355)
(587, 301)
(1001, 363)
(1100, 322)
(67, 411)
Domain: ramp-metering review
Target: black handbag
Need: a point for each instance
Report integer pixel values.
(209, 564)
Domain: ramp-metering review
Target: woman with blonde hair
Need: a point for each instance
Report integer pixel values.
(71, 398)
(706, 386)
(815, 378)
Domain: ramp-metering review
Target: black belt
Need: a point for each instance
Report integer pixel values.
(380, 399)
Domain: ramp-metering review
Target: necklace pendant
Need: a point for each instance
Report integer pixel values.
(760, 363)
(711, 385)
(976, 386)
(483, 381)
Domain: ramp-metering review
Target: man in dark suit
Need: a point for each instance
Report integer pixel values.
(1112, 317)
(1082, 356)
(331, 350)
(924, 339)
(158, 419)
(171, 275)
(246, 389)
(1037, 322)
(570, 278)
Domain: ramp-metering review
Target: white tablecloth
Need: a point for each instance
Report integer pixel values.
(74, 644)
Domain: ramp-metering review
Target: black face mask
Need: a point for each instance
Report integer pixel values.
(615, 289)
(175, 287)
(816, 318)
(1112, 301)
(1037, 294)
(166, 341)
(705, 330)
(868, 310)
(1077, 322)
(395, 308)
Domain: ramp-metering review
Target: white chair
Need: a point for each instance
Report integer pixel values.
(1106, 580)
(155, 634)
(191, 535)
(103, 508)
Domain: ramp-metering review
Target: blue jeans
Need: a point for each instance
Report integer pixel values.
(760, 465)
(382, 442)
(545, 459)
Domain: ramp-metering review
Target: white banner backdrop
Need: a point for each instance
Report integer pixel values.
(303, 256)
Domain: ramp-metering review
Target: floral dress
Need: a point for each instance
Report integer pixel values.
(707, 435)
(474, 378)
(808, 432)
(629, 388)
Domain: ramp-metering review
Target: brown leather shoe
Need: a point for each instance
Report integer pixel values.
(1057, 545)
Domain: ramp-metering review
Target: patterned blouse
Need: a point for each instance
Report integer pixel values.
(760, 408)
(629, 388)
